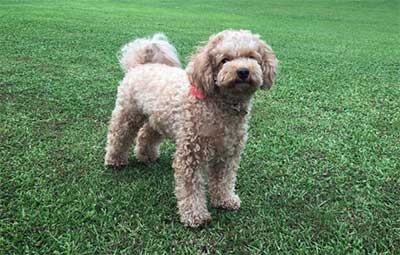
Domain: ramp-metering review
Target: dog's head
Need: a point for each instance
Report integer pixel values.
(233, 62)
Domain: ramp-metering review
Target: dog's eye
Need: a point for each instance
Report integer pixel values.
(256, 59)
(225, 60)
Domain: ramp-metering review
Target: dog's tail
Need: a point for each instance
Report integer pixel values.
(142, 51)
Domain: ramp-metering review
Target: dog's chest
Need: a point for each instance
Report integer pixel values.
(231, 141)
(224, 135)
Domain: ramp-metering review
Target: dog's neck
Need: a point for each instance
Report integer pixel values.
(237, 106)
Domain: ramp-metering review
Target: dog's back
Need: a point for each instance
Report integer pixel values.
(154, 77)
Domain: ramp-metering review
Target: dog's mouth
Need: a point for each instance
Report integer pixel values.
(241, 87)
(236, 86)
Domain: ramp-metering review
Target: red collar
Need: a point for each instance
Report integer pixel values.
(196, 93)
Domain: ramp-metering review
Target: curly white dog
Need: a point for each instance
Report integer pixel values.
(203, 109)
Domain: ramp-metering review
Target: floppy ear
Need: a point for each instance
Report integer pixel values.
(200, 71)
(269, 65)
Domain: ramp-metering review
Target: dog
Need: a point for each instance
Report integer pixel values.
(204, 109)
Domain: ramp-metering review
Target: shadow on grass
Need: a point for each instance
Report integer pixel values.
(138, 171)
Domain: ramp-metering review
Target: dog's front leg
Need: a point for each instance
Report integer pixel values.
(222, 175)
(222, 178)
(189, 184)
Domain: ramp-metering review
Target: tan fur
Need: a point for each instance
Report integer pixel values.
(154, 102)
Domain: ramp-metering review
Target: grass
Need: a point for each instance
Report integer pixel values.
(320, 173)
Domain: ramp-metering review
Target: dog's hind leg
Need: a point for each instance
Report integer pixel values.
(124, 125)
(148, 143)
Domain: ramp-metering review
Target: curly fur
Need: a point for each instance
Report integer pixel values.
(154, 102)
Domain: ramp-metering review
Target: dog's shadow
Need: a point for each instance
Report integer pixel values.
(139, 171)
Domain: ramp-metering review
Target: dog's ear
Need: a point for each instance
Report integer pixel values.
(200, 68)
(269, 65)
(201, 72)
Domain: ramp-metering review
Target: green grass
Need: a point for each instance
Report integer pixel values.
(320, 173)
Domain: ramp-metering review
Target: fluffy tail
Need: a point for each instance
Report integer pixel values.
(142, 51)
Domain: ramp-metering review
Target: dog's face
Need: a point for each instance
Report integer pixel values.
(234, 63)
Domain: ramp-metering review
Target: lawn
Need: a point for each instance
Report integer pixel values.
(320, 173)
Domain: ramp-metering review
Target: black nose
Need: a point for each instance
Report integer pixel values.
(243, 73)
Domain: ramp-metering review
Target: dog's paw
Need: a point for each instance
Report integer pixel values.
(229, 203)
(196, 219)
(116, 162)
(147, 157)
(146, 154)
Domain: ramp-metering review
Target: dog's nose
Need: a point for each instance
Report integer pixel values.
(243, 73)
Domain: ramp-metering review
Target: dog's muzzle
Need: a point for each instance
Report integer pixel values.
(243, 73)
